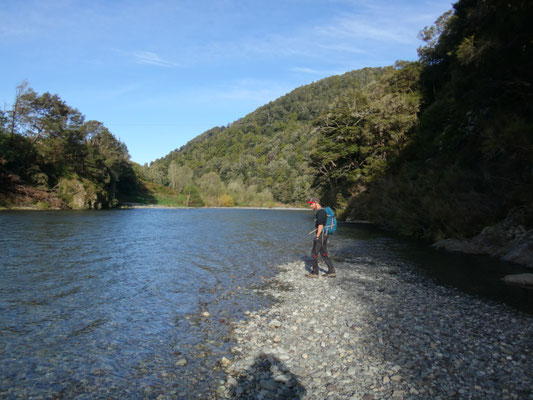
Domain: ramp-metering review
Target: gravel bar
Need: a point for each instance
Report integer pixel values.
(377, 332)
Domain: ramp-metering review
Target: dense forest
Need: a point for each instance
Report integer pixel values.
(439, 147)
(51, 157)
(266, 153)
(468, 162)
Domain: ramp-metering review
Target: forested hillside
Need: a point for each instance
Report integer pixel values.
(265, 154)
(437, 148)
(51, 157)
(441, 147)
(469, 162)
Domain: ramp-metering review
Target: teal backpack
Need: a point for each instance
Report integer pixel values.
(331, 222)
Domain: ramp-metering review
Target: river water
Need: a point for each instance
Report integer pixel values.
(138, 303)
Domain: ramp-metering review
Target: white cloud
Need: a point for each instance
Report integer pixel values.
(315, 71)
(359, 31)
(354, 28)
(150, 58)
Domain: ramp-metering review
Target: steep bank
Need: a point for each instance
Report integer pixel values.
(464, 177)
(70, 194)
(28, 197)
(509, 240)
(377, 332)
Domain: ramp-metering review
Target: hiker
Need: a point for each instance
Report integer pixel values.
(320, 241)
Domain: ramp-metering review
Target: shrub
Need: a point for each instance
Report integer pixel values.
(226, 201)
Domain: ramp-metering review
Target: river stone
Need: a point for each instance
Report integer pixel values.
(225, 362)
(396, 378)
(221, 390)
(274, 323)
(268, 384)
(519, 279)
(232, 381)
(282, 378)
(463, 246)
(181, 362)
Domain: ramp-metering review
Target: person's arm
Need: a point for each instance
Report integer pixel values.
(319, 230)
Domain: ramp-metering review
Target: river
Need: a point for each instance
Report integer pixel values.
(138, 303)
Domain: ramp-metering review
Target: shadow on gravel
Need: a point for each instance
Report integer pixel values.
(308, 262)
(266, 378)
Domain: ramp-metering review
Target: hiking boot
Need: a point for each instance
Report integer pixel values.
(329, 275)
(311, 275)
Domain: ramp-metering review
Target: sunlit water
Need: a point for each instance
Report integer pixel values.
(108, 303)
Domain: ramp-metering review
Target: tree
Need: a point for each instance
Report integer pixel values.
(179, 177)
(194, 199)
(15, 112)
(365, 131)
(211, 185)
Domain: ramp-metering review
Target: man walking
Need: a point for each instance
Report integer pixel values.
(320, 241)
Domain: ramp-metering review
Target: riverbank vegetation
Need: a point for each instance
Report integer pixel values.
(264, 156)
(51, 157)
(440, 147)
(467, 162)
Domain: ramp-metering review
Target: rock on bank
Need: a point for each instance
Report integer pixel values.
(508, 240)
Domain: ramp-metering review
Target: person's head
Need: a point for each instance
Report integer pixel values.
(314, 202)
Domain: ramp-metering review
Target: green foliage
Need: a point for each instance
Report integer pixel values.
(267, 150)
(46, 143)
(193, 197)
(366, 131)
(226, 201)
(80, 193)
(179, 177)
(468, 164)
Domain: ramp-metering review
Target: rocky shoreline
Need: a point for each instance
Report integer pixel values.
(508, 240)
(377, 332)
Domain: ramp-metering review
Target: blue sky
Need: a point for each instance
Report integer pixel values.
(158, 73)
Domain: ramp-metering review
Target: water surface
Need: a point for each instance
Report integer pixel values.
(107, 304)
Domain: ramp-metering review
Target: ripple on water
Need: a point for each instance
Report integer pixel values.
(108, 302)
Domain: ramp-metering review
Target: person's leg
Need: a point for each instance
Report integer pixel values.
(324, 253)
(314, 255)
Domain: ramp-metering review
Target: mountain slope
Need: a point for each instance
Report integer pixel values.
(269, 148)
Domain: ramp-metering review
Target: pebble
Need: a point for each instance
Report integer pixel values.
(181, 362)
(353, 337)
(225, 362)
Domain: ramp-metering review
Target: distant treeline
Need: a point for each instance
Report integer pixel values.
(439, 147)
(268, 151)
(434, 148)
